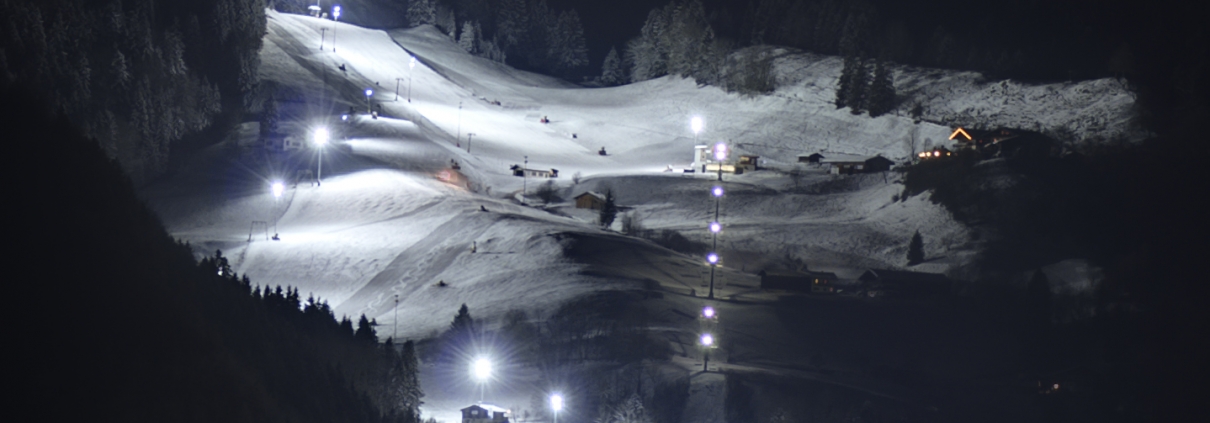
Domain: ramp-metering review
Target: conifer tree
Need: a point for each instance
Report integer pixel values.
(855, 91)
(466, 39)
(412, 394)
(365, 331)
(846, 79)
(611, 70)
(881, 95)
(609, 211)
(463, 323)
(915, 254)
(422, 12)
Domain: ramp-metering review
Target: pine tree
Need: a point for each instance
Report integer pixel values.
(422, 12)
(412, 394)
(365, 331)
(567, 49)
(611, 70)
(846, 79)
(881, 95)
(855, 91)
(915, 253)
(466, 39)
(463, 323)
(609, 211)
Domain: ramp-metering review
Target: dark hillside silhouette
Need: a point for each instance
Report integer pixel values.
(113, 319)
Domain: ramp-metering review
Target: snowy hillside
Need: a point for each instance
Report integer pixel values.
(393, 219)
(1077, 112)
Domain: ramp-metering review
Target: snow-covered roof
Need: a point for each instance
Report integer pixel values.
(845, 158)
(488, 407)
(592, 193)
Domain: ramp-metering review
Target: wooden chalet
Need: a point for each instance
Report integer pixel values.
(849, 164)
(748, 162)
(902, 283)
(590, 200)
(1003, 142)
(534, 173)
(810, 282)
(485, 413)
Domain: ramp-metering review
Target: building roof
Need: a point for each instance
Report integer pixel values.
(844, 158)
(592, 193)
(798, 274)
(852, 158)
(487, 407)
(901, 276)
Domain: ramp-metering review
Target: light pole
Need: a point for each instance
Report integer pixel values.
(411, 67)
(715, 228)
(277, 188)
(322, 31)
(369, 108)
(321, 139)
(469, 135)
(524, 171)
(459, 137)
(395, 331)
(556, 404)
(707, 341)
(481, 369)
(335, 20)
(397, 88)
(696, 124)
(720, 154)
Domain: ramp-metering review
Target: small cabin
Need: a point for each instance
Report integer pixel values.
(810, 282)
(534, 173)
(848, 165)
(485, 413)
(902, 283)
(812, 158)
(279, 142)
(590, 200)
(748, 162)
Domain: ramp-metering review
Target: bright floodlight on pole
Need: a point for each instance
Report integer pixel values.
(717, 191)
(708, 312)
(556, 404)
(712, 258)
(696, 124)
(278, 188)
(335, 17)
(481, 369)
(369, 109)
(716, 227)
(321, 139)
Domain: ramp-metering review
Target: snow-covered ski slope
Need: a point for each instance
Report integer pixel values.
(392, 219)
(384, 223)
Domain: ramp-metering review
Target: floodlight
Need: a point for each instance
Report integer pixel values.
(712, 258)
(321, 136)
(482, 369)
(336, 12)
(716, 227)
(278, 187)
(708, 312)
(696, 123)
(412, 63)
(717, 191)
(720, 151)
(707, 340)
(556, 402)
(369, 92)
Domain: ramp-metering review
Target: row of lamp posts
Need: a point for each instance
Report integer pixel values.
(708, 319)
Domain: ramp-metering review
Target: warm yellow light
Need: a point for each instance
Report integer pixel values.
(960, 131)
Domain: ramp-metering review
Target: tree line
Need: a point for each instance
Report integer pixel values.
(136, 75)
(123, 322)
